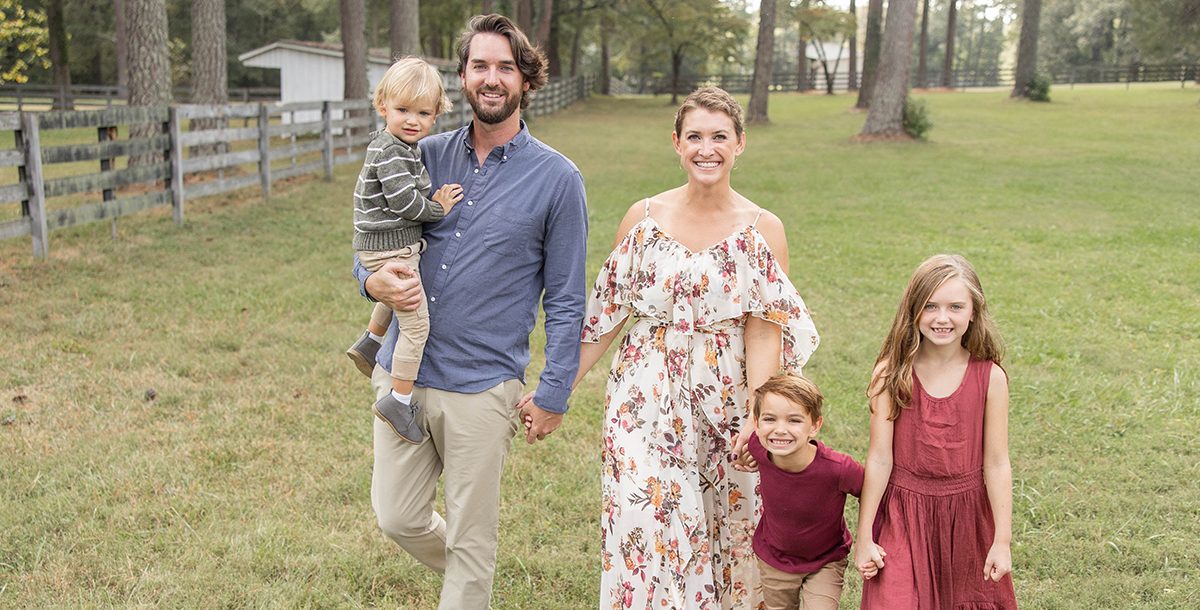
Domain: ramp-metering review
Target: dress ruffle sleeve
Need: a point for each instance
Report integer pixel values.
(611, 296)
(771, 296)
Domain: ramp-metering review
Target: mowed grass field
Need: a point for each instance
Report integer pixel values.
(244, 483)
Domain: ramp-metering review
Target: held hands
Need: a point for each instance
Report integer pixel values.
(868, 558)
(448, 195)
(742, 461)
(397, 286)
(539, 423)
(998, 563)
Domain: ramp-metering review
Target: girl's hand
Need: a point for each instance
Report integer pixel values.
(868, 558)
(998, 563)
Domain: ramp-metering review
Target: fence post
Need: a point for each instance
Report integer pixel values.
(176, 152)
(37, 188)
(264, 150)
(327, 139)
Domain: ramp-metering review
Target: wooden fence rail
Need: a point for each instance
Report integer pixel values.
(171, 154)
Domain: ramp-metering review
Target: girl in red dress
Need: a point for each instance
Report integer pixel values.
(935, 524)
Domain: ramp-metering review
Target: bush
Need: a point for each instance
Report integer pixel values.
(916, 118)
(1038, 88)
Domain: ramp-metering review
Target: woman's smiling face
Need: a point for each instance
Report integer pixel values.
(708, 145)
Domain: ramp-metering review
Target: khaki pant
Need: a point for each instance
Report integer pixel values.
(818, 590)
(413, 325)
(469, 437)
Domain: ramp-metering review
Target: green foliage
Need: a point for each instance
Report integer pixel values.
(245, 484)
(916, 118)
(24, 42)
(1038, 88)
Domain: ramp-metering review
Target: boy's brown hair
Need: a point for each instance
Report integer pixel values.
(793, 388)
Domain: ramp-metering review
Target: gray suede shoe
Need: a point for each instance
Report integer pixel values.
(363, 353)
(404, 420)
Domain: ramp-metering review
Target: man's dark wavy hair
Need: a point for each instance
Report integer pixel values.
(530, 59)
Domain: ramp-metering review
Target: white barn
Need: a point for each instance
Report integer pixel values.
(313, 71)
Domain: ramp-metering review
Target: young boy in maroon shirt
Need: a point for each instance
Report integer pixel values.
(802, 540)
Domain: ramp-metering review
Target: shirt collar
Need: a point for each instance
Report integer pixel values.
(521, 139)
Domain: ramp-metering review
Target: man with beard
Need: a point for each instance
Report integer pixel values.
(519, 233)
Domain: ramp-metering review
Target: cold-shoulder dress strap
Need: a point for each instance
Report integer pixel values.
(760, 213)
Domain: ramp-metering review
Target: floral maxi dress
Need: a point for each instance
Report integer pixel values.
(676, 519)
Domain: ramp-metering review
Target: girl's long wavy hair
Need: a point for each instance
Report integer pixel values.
(982, 341)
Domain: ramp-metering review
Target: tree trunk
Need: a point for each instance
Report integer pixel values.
(149, 66)
(923, 47)
(550, 46)
(1027, 48)
(871, 52)
(676, 66)
(951, 28)
(209, 81)
(485, 7)
(577, 38)
(122, 43)
(852, 76)
(605, 67)
(886, 116)
(405, 28)
(545, 23)
(59, 56)
(522, 13)
(802, 62)
(764, 61)
(354, 54)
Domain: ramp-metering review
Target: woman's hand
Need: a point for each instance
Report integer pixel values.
(742, 461)
(998, 563)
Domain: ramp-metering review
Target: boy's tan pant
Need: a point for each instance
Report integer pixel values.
(413, 325)
(468, 439)
(818, 590)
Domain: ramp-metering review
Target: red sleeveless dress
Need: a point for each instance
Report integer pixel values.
(934, 519)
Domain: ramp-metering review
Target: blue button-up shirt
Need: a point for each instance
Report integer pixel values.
(518, 234)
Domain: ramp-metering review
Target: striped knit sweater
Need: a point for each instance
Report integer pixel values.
(391, 199)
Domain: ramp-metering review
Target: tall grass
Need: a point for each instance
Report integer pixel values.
(244, 482)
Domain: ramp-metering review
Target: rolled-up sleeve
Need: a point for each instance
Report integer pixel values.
(564, 269)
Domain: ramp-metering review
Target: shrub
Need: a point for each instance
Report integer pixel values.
(916, 118)
(1038, 88)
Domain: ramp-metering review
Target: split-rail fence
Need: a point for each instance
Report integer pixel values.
(146, 157)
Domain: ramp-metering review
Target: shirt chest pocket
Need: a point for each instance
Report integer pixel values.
(508, 236)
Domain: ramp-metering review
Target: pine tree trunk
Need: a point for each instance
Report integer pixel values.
(1027, 48)
(550, 46)
(149, 65)
(886, 116)
(354, 54)
(923, 47)
(405, 28)
(764, 61)
(209, 81)
(852, 76)
(951, 30)
(577, 38)
(122, 43)
(605, 66)
(522, 14)
(60, 58)
(871, 52)
(544, 24)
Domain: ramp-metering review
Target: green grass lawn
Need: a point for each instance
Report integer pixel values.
(245, 482)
